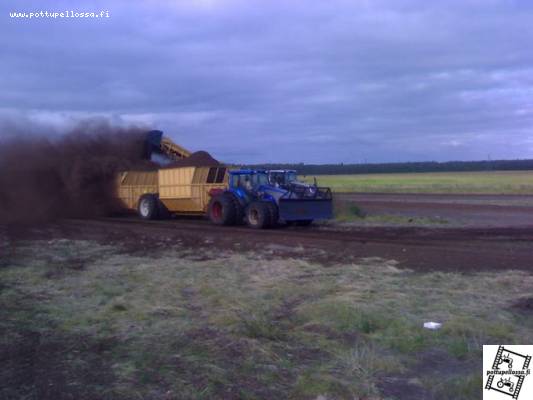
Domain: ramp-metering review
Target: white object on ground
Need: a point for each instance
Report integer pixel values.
(432, 325)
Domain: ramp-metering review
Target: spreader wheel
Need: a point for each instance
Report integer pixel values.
(148, 206)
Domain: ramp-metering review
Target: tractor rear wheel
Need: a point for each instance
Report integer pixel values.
(223, 209)
(258, 215)
(148, 206)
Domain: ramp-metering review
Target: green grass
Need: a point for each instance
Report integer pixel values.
(490, 182)
(83, 320)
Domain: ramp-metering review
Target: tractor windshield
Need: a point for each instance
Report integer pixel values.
(249, 180)
(291, 176)
(277, 178)
(260, 179)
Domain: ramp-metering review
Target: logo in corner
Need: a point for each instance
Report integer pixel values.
(506, 372)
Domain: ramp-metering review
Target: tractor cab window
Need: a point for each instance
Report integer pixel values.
(291, 177)
(280, 178)
(260, 179)
(277, 178)
(243, 181)
(249, 181)
(246, 182)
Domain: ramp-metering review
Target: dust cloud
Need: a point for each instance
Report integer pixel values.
(44, 177)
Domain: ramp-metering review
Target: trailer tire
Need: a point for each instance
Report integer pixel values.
(274, 214)
(304, 222)
(162, 210)
(148, 207)
(222, 209)
(258, 215)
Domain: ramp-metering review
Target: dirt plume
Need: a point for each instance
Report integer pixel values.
(44, 178)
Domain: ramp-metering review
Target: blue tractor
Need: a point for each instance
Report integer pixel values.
(253, 199)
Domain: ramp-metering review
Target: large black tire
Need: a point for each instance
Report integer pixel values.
(304, 222)
(274, 214)
(239, 210)
(258, 215)
(162, 211)
(148, 207)
(224, 209)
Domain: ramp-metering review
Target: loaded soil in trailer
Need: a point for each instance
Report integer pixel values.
(197, 159)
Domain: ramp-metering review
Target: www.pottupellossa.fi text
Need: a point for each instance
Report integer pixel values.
(60, 14)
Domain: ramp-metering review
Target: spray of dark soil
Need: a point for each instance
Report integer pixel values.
(43, 178)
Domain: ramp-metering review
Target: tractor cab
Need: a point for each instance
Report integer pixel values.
(282, 177)
(287, 179)
(247, 180)
(247, 184)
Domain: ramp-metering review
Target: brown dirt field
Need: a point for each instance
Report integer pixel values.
(485, 232)
(466, 249)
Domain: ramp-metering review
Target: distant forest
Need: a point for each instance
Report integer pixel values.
(426, 166)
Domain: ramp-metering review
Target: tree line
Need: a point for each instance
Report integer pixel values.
(403, 167)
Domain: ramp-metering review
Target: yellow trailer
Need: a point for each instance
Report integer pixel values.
(177, 190)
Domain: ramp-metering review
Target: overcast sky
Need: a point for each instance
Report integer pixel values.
(280, 80)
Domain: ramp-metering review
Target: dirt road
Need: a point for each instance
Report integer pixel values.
(419, 248)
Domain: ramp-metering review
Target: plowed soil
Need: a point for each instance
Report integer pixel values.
(496, 232)
(454, 249)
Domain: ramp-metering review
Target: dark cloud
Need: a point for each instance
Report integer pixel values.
(311, 81)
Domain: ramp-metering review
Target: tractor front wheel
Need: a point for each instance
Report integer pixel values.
(273, 213)
(258, 215)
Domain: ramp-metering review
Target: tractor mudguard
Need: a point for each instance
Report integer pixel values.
(305, 209)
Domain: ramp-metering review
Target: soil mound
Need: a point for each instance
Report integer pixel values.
(197, 159)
